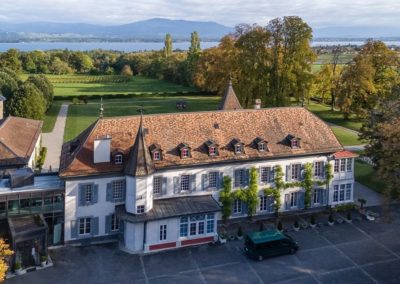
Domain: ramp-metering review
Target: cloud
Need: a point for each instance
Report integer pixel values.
(318, 13)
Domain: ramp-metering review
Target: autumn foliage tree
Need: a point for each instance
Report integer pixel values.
(5, 252)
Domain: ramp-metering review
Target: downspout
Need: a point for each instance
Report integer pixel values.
(144, 234)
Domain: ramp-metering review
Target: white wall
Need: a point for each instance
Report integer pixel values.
(133, 236)
(101, 151)
(35, 153)
(139, 192)
(101, 209)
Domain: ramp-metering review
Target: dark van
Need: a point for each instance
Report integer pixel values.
(259, 245)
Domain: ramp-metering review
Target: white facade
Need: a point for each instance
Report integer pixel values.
(35, 153)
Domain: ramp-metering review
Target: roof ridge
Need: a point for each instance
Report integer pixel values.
(230, 100)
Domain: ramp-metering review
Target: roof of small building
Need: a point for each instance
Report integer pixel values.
(229, 100)
(196, 128)
(172, 207)
(344, 154)
(18, 137)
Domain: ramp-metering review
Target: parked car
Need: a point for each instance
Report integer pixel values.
(259, 245)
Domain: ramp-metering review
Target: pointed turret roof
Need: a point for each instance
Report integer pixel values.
(229, 100)
(139, 162)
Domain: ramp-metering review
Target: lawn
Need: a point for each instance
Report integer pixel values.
(81, 116)
(51, 117)
(336, 117)
(346, 137)
(366, 175)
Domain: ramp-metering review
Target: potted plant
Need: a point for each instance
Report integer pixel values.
(296, 225)
(222, 238)
(240, 233)
(362, 203)
(313, 222)
(280, 226)
(18, 268)
(348, 217)
(43, 260)
(331, 221)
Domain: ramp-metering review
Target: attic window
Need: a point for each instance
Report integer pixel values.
(262, 147)
(294, 142)
(212, 148)
(184, 150)
(156, 152)
(118, 159)
(238, 146)
(238, 149)
(260, 144)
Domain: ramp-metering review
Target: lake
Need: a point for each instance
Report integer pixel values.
(137, 46)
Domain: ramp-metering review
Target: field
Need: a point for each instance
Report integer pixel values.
(347, 138)
(81, 116)
(51, 117)
(366, 175)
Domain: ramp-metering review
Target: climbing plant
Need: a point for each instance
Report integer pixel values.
(276, 191)
(226, 198)
(307, 183)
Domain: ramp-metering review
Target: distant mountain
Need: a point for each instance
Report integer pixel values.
(357, 32)
(145, 30)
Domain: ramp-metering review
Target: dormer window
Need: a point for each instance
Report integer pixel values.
(184, 150)
(260, 144)
(212, 148)
(156, 152)
(238, 146)
(118, 159)
(294, 142)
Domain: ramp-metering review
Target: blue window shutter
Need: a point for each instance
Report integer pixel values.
(288, 173)
(271, 175)
(220, 180)
(95, 193)
(204, 178)
(287, 201)
(109, 193)
(176, 185)
(74, 229)
(81, 195)
(237, 178)
(302, 172)
(301, 196)
(192, 180)
(247, 177)
(244, 208)
(164, 185)
(108, 224)
(325, 196)
(94, 226)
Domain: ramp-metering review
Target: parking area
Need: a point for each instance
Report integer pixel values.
(361, 252)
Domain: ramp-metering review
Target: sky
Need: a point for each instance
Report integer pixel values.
(317, 13)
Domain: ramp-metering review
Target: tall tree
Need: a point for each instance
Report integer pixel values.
(10, 59)
(44, 86)
(168, 45)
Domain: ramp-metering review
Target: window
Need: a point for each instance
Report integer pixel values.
(213, 150)
(240, 178)
(296, 171)
(185, 185)
(319, 169)
(267, 174)
(341, 192)
(114, 223)
(156, 156)
(197, 225)
(294, 143)
(263, 203)
(237, 206)
(349, 164)
(163, 232)
(201, 228)
(88, 193)
(193, 227)
(210, 223)
(238, 148)
(118, 190)
(336, 193)
(212, 179)
(140, 209)
(342, 165)
(185, 153)
(293, 199)
(336, 167)
(317, 197)
(118, 159)
(84, 226)
(348, 191)
(184, 227)
(157, 185)
(261, 147)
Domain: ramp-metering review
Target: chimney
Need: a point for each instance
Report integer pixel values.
(257, 104)
(2, 99)
(102, 149)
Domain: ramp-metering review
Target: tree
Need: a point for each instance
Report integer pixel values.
(59, 67)
(127, 71)
(194, 43)
(5, 252)
(10, 59)
(44, 86)
(28, 102)
(168, 45)
(225, 198)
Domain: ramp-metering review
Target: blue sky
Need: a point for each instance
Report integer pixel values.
(318, 13)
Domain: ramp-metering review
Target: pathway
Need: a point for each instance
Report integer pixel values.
(54, 141)
(361, 191)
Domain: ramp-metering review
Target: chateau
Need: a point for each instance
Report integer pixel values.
(153, 181)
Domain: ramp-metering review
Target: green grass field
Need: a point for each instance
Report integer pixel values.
(347, 138)
(81, 116)
(366, 175)
(51, 117)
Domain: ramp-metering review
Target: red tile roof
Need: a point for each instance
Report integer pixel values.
(195, 129)
(229, 100)
(18, 137)
(344, 154)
